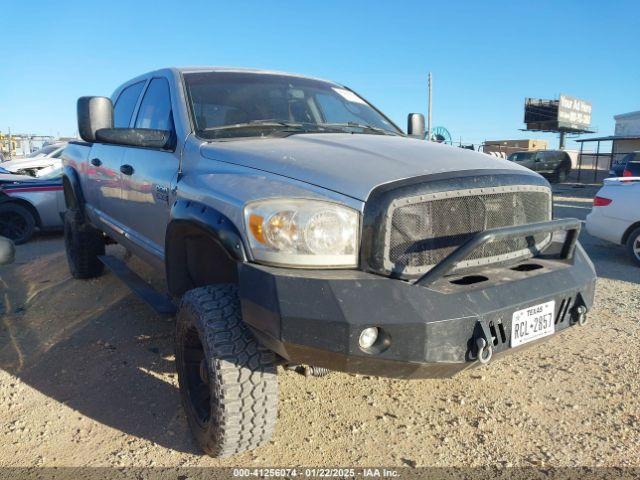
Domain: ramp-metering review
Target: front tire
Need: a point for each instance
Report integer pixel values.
(83, 244)
(17, 223)
(228, 381)
(633, 245)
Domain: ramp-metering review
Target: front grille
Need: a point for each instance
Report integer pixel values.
(424, 229)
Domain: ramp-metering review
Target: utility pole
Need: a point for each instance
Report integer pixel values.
(562, 140)
(9, 129)
(429, 111)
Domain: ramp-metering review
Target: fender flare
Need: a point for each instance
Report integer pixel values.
(192, 217)
(71, 181)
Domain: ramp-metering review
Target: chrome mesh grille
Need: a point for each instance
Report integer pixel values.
(423, 230)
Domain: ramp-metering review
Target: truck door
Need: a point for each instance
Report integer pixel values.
(148, 173)
(539, 162)
(104, 179)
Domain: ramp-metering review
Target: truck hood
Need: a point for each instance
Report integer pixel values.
(351, 164)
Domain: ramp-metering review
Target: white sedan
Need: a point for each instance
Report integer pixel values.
(615, 215)
(46, 157)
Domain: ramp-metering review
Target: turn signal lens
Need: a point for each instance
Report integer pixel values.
(601, 201)
(255, 225)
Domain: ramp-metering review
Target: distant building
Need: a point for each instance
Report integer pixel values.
(627, 125)
(21, 144)
(509, 146)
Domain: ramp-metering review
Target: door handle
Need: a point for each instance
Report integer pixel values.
(126, 169)
(96, 162)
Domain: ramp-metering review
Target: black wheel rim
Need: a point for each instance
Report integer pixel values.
(196, 376)
(13, 225)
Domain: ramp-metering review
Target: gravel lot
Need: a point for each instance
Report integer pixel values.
(87, 378)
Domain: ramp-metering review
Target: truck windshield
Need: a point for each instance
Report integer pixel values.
(239, 104)
(521, 156)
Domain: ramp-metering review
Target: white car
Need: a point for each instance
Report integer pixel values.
(46, 157)
(615, 215)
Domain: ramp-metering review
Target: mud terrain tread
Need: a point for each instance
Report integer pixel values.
(242, 373)
(83, 245)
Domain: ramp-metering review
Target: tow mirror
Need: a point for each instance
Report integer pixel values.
(94, 113)
(415, 125)
(136, 137)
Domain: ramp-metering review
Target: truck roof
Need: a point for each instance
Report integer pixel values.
(177, 71)
(242, 70)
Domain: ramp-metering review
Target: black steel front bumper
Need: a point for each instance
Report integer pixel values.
(430, 328)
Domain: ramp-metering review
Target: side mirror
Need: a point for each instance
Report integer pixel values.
(136, 137)
(94, 113)
(415, 125)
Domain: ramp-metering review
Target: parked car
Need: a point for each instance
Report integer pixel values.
(48, 150)
(553, 164)
(618, 168)
(28, 203)
(46, 157)
(300, 227)
(615, 215)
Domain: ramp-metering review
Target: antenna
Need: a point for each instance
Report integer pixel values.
(429, 110)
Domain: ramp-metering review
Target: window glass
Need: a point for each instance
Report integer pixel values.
(125, 105)
(336, 110)
(521, 156)
(155, 109)
(44, 151)
(222, 102)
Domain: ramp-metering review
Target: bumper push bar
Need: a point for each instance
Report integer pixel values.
(316, 317)
(484, 338)
(569, 225)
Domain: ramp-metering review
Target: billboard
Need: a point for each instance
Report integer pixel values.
(567, 114)
(574, 113)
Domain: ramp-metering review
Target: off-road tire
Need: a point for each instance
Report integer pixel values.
(17, 223)
(228, 381)
(83, 244)
(633, 245)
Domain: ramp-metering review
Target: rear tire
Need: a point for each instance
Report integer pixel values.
(228, 381)
(17, 223)
(83, 244)
(633, 245)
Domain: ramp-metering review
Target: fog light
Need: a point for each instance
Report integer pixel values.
(368, 337)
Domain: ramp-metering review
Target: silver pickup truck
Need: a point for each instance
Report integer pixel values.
(297, 226)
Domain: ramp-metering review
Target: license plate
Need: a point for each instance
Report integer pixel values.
(532, 323)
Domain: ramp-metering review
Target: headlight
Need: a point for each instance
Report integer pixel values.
(302, 233)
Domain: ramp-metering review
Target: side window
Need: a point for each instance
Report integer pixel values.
(155, 109)
(125, 104)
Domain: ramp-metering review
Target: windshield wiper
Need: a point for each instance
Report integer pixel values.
(299, 127)
(254, 123)
(362, 126)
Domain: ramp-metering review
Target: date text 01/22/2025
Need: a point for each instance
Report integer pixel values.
(316, 472)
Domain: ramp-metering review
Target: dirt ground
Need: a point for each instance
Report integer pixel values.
(87, 378)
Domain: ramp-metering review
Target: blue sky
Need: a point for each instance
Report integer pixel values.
(486, 57)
